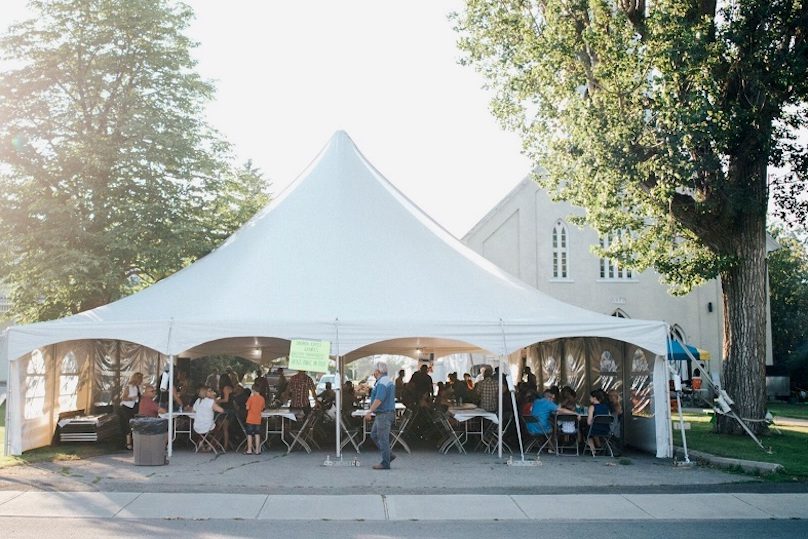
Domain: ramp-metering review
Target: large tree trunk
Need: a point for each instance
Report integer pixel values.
(744, 295)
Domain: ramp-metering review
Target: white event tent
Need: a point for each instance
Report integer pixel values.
(341, 255)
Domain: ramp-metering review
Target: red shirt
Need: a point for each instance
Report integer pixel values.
(148, 408)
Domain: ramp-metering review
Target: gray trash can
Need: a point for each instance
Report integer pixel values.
(149, 437)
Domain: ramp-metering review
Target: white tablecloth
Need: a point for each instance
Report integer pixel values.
(464, 414)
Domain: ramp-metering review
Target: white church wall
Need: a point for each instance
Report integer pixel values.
(527, 252)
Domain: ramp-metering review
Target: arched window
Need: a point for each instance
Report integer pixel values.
(610, 269)
(560, 258)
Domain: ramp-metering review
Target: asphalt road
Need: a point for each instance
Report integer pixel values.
(42, 528)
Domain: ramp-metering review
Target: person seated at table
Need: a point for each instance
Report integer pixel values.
(469, 382)
(348, 397)
(616, 409)
(543, 410)
(528, 397)
(598, 405)
(488, 392)
(255, 405)
(147, 406)
(443, 396)
(205, 407)
(459, 388)
(568, 398)
(326, 399)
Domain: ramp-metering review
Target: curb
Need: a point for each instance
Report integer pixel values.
(753, 466)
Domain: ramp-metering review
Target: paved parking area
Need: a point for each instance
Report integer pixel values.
(422, 472)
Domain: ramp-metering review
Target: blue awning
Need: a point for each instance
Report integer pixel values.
(677, 353)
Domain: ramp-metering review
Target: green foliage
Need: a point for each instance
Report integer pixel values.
(788, 447)
(788, 284)
(660, 120)
(110, 178)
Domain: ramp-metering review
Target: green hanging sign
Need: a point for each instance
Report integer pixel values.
(309, 355)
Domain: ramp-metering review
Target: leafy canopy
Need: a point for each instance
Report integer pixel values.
(110, 178)
(659, 118)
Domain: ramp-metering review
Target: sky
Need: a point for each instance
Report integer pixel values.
(290, 73)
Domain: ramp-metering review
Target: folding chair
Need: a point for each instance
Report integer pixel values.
(566, 428)
(243, 426)
(450, 437)
(300, 435)
(350, 437)
(316, 421)
(208, 439)
(491, 437)
(400, 429)
(536, 432)
(600, 429)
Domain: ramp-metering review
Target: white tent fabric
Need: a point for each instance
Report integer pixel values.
(341, 255)
(341, 250)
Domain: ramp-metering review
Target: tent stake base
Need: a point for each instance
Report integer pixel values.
(340, 462)
(511, 462)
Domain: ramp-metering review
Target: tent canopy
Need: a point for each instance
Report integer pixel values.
(341, 255)
(677, 353)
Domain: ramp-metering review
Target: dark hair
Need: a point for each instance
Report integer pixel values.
(600, 395)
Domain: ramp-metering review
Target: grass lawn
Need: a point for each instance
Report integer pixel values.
(799, 411)
(54, 453)
(789, 448)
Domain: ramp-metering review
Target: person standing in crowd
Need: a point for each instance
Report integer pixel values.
(400, 385)
(530, 378)
(213, 378)
(383, 405)
(262, 383)
(130, 400)
(300, 387)
(421, 384)
(255, 405)
(488, 392)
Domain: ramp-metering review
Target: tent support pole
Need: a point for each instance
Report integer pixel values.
(339, 394)
(9, 398)
(170, 405)
(499, 426)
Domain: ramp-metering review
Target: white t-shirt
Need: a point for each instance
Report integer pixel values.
(203, 422)
(132, 397)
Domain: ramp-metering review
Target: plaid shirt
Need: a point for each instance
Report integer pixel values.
(488, 389)
(300, 387)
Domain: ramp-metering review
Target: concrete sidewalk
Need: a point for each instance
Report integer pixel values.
(144, 506)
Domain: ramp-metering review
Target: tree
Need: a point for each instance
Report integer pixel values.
(660, 118)
(109, 174)
(788, 283)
